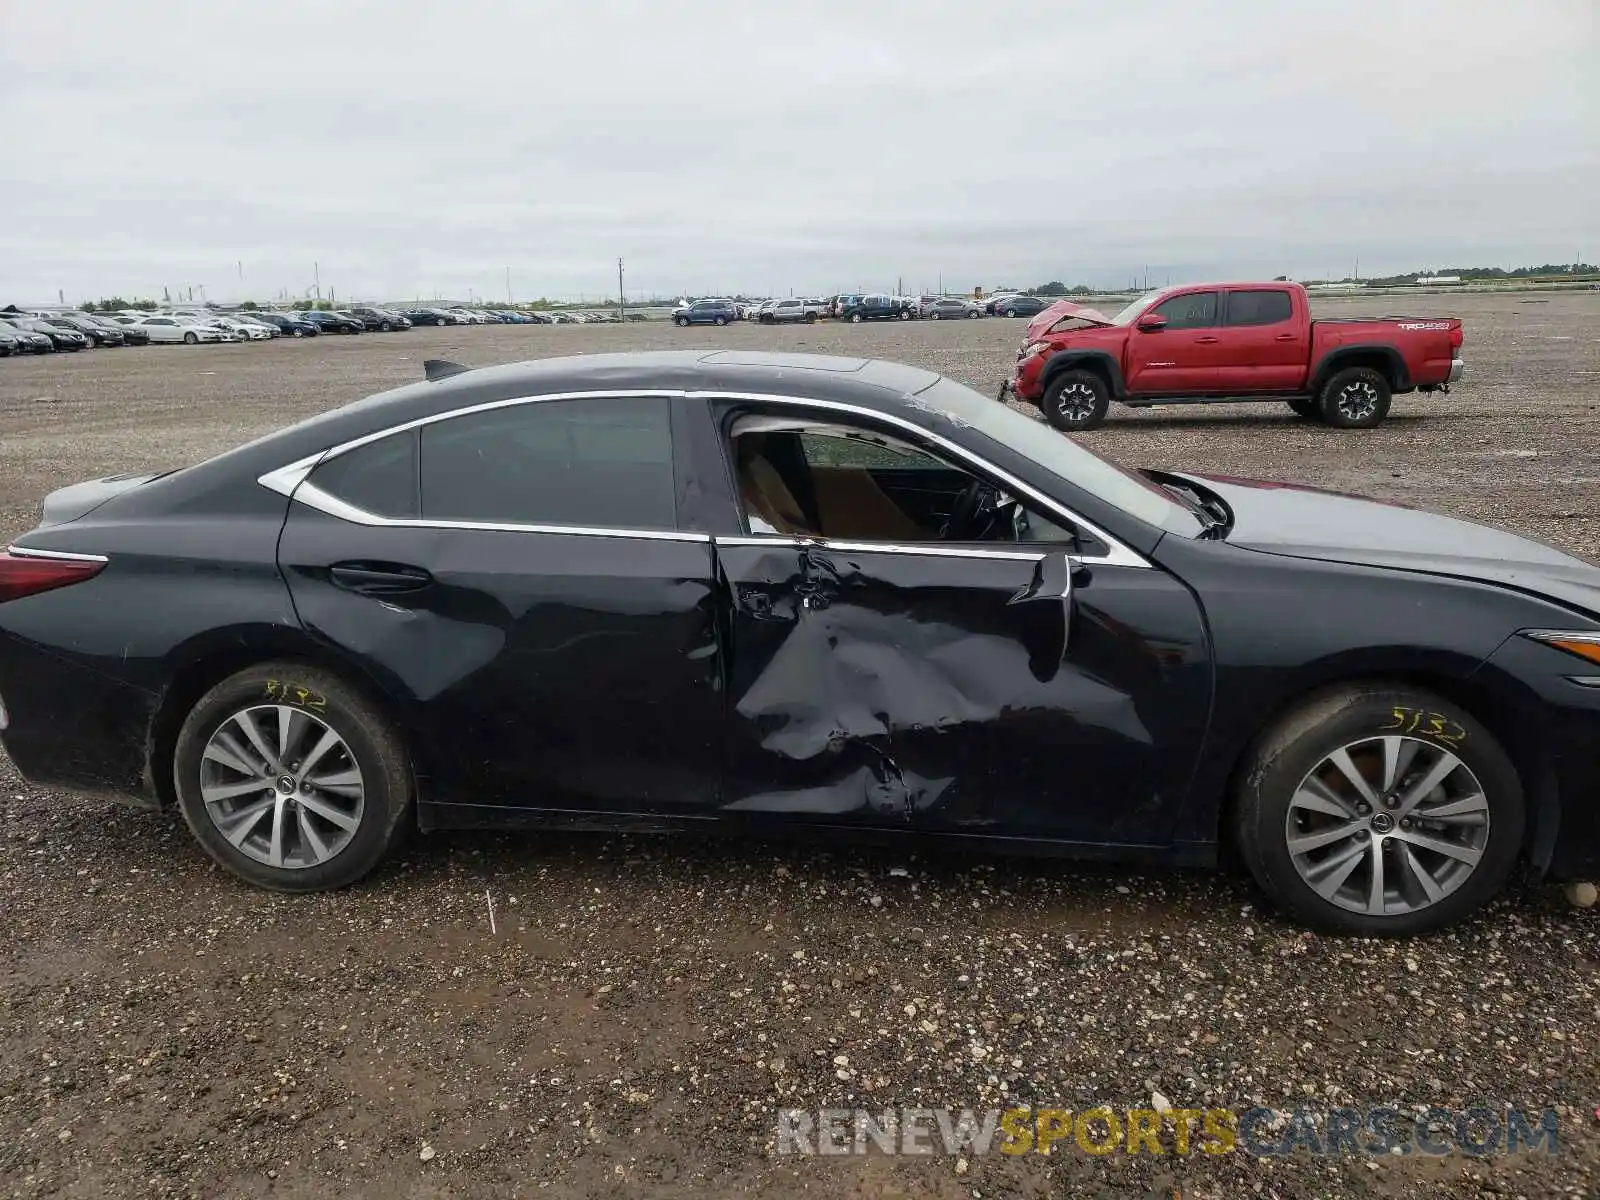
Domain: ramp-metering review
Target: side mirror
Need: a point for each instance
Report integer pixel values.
(1152, 323)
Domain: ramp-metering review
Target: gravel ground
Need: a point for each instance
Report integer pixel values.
(642, 1007)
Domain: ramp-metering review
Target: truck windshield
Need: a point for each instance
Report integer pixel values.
(1130, 314)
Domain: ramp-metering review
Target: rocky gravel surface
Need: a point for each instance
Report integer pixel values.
(636, 1011)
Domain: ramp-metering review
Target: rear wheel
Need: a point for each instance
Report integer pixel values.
(1355, 398)
(291, 779)
(1379, 810)
(722, 321)
(855, 318)
(1076, 400)
(192, 339)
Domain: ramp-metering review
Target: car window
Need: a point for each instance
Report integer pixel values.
(846, 484)
(379, 478)
(1259, 307)
(1196, 310)
(604, 463)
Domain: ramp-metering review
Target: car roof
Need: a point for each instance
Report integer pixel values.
(871, 384)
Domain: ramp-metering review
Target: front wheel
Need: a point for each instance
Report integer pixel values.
(972, 314)
(298, 333)
(292, 780)
(386, 327)
(905, 315)
(1355, 398)
(855, 318)
(191, 339)
(934, 317)
(1075, 401)
(1379, 810)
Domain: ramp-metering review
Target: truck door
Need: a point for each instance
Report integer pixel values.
(1184, 356)
(1267, 344)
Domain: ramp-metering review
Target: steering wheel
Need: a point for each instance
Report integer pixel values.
(972, 517)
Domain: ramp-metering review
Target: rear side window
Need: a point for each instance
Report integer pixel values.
(1258, 308)
(605, 463)
(1194, 311)
(379, 478)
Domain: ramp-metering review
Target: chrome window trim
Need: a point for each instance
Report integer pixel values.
(291, 480)
(63, 555)
(314, 497)
(934, 550)
(1118, 554)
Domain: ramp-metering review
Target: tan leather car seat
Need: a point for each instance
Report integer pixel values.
(763, 491)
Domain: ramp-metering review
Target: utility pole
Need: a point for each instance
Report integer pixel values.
(622, 296)
(508, 285)
(316, 274)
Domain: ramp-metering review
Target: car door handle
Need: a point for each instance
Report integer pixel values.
(1285, 337)
(1206, 340)
(379, 579)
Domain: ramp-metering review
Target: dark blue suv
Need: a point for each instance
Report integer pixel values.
(706, 312)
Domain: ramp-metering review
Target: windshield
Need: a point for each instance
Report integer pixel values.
(1060, 455)
(1130, 314)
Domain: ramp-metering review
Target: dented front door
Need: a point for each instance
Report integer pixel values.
(960, 690)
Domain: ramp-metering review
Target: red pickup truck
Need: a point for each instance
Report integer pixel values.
(1217, 342)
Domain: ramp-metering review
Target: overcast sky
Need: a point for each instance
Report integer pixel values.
(412, 147)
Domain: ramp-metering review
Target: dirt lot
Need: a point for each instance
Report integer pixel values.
(644, 1007)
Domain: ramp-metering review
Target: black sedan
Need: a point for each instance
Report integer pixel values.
(331, 322)
(291, 324)
(62, 337)
(130, 335)
(767, 592)
(1021, 306)
(98, 334)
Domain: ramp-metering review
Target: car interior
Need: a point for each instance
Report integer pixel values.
(805, 478)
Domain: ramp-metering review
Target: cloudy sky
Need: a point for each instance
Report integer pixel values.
(410, 147)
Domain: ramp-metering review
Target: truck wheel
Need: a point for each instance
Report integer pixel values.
(1355, 398)
(1075, 400)
(855, 318)
(905, 314)
(1306, 406)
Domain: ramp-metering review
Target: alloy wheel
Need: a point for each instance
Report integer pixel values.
(1387, 825)
(1076, 401)
(1358, 400)
(281, 786)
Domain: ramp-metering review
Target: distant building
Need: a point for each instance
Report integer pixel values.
(1438, 279)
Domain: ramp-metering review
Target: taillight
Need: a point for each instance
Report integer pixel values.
(1457, 336)
(24, 573)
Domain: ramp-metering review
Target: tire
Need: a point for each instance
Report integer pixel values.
(682, 322)
(905, 315)
(1307, 407)
(316, 704)
(298, 332)
(721, 321)
(1076, 400)
(972, 314)
(191, 339)
(855, 318)
(1355, 398)
(811, 318)
(935, 317)
(386, 327)
(1273, 805)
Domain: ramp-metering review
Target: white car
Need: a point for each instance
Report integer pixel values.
(162, 328)
(251, 331)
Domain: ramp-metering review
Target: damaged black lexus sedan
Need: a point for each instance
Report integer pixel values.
(757, 591)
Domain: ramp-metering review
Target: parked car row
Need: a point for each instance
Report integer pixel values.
(48, 331)
(854, 307)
